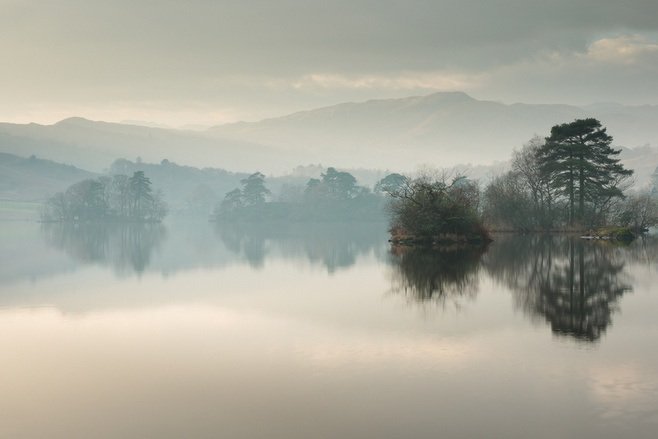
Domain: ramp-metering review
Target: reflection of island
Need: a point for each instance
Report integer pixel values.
(127, 247)
(441, 275)
(331, 245)
(573, 285)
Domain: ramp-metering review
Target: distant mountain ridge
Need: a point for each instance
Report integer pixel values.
(95, 145)
(439, 130)
(442, 129)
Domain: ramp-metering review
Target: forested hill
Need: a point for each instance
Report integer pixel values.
(35, 179)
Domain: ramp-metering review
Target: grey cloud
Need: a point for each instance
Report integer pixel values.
(224, 52)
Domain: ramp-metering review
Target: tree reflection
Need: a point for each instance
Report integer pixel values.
(572, 284)
(332, 245)
(439, 275)
(127, 248)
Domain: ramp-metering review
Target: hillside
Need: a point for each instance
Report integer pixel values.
(439, 130)
(94, 145)
(443, 129)
(35, 179)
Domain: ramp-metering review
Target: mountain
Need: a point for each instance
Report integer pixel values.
(441, 129)
(95, 145)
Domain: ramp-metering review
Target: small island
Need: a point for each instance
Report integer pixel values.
(429, 211)
(569, 182)
(116, 198)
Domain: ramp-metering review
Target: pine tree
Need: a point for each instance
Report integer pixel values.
(142, 194)
(581, 165)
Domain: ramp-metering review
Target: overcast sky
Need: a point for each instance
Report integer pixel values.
(209, 62)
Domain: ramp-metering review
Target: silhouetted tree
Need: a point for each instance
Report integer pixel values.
(580, 163)
(254, 191)
(107, 198)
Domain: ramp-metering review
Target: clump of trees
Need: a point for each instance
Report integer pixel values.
(638, 212)
(118, 197)
(253, 193)
(433, 209)
(569, 180)
(334, 196)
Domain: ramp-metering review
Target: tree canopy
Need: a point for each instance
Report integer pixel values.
(107, 198)
(429, 209)
(581, 165)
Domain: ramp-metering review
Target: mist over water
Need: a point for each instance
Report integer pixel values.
(321, 331)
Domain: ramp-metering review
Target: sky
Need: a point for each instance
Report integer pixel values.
(200, 63)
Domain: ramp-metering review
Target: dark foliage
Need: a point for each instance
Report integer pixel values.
(430, 209)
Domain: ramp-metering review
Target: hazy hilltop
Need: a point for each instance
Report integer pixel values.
(95, 145)
(443, 129)
(34, 179)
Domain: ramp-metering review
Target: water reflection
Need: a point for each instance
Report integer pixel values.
(572, 284)
(440, 275)
(644, 251)
(334, 246)
(127, 248)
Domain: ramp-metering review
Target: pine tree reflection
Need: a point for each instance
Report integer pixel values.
(127, 248)
(439, 275)
(574, 285)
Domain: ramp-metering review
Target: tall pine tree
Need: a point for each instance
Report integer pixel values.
(581, 165)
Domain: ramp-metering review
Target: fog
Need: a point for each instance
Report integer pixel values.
(356, 219)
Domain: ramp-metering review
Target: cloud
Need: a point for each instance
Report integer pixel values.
(624, 49)
(403, 81)
(263, 58)
(621, 68)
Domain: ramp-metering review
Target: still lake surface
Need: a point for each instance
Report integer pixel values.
(188, 330)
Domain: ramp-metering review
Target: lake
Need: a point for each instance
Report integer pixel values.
(192, 330)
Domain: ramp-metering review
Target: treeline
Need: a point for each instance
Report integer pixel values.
(335, 196)
(118, 197)
(570, 180)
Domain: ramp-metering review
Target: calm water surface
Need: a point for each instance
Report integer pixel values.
(189, 330)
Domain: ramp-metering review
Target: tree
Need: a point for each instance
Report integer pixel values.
(86, 200)
(254, 191)
(119, 194)
(427, 208)
(340, 185)
(526, 165)
(522, 198)
(580, 164)
(107, 198)
(141, 194)
(232, 201)
(391, 183)
(639, 212)
(508, 203)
